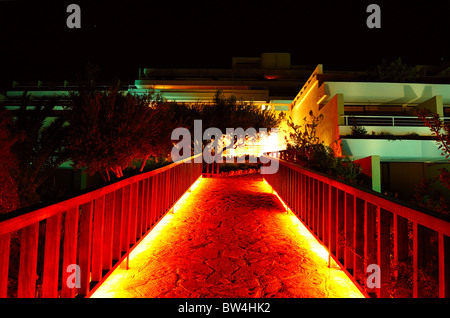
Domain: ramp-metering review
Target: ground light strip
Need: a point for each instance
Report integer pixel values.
(316, 245)
(109, 286)
(121, 272)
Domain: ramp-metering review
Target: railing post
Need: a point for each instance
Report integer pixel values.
(383, 248)
(145, 226)
(28, 261)
(444, 265)
(314, 205)
(125, 224)
(152, 200)
(297, 194)
(117, 226)
(340, 226)
(108, 227)
(289, 188)
(140, 209)
(158, 196)
(400, 242)
(310, 201)
(349, 244)
(97, 239)
(326, 220)
(69, 251)
(416, 256)
(370, 243)
(320, 223)
(133, 212)
(84, 247)
(359, 272)
(4, 263)
(304, 197)
(167, 190)
(51, 257)
(333, 220)
(422, 252)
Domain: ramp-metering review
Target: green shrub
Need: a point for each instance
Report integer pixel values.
(358, 131)
(310, 152)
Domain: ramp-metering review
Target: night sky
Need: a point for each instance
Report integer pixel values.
(122, 36)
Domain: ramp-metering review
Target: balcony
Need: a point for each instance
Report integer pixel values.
(395, 125)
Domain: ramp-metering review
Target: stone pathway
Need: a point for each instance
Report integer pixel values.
(231, 237)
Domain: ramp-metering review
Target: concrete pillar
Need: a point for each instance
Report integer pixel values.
(340, 109)
(372, 168)
(376, 173)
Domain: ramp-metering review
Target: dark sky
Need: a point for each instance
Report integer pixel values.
(123, 36)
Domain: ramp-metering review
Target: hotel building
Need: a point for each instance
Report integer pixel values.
(397, 151)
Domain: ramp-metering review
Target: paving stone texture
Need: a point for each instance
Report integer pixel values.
(231, 237)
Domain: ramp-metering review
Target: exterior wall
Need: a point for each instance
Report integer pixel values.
(370, 166)
(328, 129)
(434, 104)
(309, 99)
(307, 103)
(387, 93)
(276, 60)
(392, 150)
(401, 178)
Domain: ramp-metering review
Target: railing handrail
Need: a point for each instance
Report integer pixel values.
(420, 215)
(383, 120)
(17, 219)
(386, 116)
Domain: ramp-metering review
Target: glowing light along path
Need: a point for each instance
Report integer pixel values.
(111, 286)
(229, 237)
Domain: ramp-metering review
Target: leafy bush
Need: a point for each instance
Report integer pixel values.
(39, 145)
(425, 195)
(9, 193)
(358, 131)
(386, 134)
(310, 152)
(395, 71)
(108, 129)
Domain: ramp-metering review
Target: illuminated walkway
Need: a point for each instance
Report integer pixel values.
(231, 237)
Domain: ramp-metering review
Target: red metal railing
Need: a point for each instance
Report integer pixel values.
(95, 230)
(359, 227)
(212, 170)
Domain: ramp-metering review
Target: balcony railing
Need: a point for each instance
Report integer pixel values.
(360, 227)
(95, 231)
(389, 121)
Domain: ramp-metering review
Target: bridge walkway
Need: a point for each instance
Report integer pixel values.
(229, 237)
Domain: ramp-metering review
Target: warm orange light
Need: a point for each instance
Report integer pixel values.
(320, 254)
(322, 99)
(139, 254)
(125, 283)
(291, 220)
